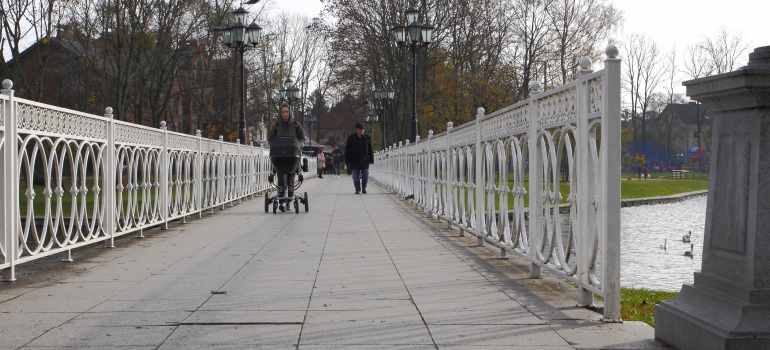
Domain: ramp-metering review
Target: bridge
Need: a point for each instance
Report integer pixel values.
(358, 271)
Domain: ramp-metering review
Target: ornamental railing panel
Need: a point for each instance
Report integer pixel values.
(71, 179)
(539, 179)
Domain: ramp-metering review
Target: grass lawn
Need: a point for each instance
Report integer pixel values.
(660, 184)
(639, 304)
(665, 186)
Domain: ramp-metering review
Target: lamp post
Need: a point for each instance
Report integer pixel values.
(289, 92)
(413, 36)
(371, 118)
(310, 119)
(241, 38)
(383, 96)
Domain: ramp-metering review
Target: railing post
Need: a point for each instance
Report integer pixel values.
(609, 209)
(221, 172)
(586, 176)
(428, 207)
(535, 183)
(407, 170)
(416, 172)
(199, 174)
(479, 181)
(238, 171)
(400, 170)
(110, 183)
(449, 199)
(164, 183)
(10, 183)
(394, 169)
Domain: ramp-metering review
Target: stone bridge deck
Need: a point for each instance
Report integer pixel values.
(358, 272)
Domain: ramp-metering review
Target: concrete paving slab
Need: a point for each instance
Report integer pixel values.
(245, 317)
(592, 335)
(367, 347)
(352, 331)
(19, 329)
(79, 334)
(496, 335)
(131, 318)
(497, 316)
(233, 336)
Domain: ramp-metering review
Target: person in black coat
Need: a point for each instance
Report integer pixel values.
(359, 153)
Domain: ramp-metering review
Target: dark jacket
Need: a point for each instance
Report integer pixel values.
(359, 152)
(338, 156)
(287, 128)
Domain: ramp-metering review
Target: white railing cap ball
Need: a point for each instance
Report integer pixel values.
(237, 140)
(612, 51)
(430, 132)
(480, 112)
(198, 132)
(7, 84)
(221, 138)
(534, 85)
(449, 124)
(417, 138)
(585, 62)
(108, 110)
(162, 123)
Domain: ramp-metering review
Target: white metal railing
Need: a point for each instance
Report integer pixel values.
(71, 179)
(478, 175)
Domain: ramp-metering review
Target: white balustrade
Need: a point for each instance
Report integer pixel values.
(479, 175)
(71, 179)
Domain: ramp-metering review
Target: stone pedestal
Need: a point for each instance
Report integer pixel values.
(728, 305)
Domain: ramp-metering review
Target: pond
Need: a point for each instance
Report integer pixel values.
(643, 230)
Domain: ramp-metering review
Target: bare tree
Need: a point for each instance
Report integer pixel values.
(668, 120)
(23, 21)
(719, 54)
(641, 78)
(580, 27)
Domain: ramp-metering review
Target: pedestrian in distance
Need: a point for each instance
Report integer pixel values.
(359, 153)
(339, 156)
(321, 161)
(286, 126)
(645, 172)
(329, 169)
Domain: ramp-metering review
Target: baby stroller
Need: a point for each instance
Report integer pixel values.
(285, 155)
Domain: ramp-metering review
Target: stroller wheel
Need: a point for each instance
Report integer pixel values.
(267, 202)
(275, 206)
(306, 205)
(296, 206)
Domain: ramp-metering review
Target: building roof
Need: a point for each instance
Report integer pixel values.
(688, 112)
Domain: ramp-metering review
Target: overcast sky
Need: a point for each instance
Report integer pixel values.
(669, 22)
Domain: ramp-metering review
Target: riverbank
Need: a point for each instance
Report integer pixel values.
(633, 202)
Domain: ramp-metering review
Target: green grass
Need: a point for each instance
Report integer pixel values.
(660, 184)
(639, 304)
(656, 187)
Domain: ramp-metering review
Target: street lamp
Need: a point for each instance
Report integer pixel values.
(413, 36)
(371, 118)
(383, 96)
(289, 92)
(310, 119)
(241, 38)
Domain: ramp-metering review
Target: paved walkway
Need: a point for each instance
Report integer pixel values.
(358, 272)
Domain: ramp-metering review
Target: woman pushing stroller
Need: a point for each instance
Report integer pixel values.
(286, 126)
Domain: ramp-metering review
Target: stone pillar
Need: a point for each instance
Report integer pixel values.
(728, 305)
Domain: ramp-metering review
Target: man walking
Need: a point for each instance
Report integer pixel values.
(359, 153)
(338, 158)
